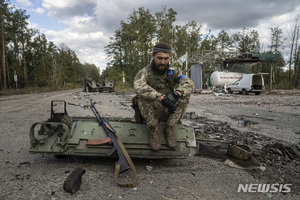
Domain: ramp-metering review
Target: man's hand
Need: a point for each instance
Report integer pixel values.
(170, 100)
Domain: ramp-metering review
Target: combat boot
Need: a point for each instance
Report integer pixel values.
(154, 142)
(170, 137)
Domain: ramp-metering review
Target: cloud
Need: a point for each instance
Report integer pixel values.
(24, 2)
(90, 23)
(63, 10)
(89, 47)
(218, 14)
(232, 14)
(39, 10)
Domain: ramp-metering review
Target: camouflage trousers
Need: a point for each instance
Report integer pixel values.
(154, 112)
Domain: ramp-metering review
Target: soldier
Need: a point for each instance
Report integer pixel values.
(159, 100)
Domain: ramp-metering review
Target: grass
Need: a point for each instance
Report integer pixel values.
(124, 89)
(30, 90)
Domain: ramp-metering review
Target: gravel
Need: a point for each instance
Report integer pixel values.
(269, 123)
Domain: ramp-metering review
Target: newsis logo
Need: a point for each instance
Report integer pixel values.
(264, 187)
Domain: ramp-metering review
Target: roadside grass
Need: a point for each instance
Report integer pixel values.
(30, 90)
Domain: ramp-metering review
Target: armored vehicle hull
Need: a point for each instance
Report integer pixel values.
(83, 136)
(92, 86)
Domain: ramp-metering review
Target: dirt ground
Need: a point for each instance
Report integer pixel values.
(268, 123)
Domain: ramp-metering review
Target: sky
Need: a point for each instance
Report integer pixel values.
(85, 26)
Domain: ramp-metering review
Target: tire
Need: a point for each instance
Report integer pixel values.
(244, 92)
(229, 91)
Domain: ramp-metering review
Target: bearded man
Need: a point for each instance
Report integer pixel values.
(158, 99)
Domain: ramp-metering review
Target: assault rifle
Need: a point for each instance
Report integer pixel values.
(124, 162)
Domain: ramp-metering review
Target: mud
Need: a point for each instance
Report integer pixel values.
(268, 123)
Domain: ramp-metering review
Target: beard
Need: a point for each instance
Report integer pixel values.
(161, 68)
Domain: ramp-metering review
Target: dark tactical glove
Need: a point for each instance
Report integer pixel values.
(170, 100)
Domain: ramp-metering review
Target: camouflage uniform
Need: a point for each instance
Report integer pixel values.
(149, 85)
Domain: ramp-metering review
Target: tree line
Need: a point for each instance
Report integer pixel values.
(36, 62)
(130, 48)
(28, 59)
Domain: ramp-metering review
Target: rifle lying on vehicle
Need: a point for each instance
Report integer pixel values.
(124, 162)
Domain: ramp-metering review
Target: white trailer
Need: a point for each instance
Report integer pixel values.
(223, 78)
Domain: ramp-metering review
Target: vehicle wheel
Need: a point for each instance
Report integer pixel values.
(229, 91)
(244, 92)
(257, 93)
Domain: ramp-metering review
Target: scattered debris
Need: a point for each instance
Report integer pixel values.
(272, 160)
(24, 163)
(244, 123)
(73, 181)
(149, 168)
(240, 166)
(217, 94)
(242, 152)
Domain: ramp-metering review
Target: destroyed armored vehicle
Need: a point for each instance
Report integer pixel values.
(62, 134)
(85, 136)
(92, 86)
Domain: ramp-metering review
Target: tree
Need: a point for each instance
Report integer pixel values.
(276, 39)
(223, 40)
(4, 20)
(35, 61)
(25, 36)
(15, 34)
(296, 54)
(209, 42)
(246, 41)
(129, 48)
(164, 24)
(292, 43)
(187, 40)
(92, 72)
(276, 43)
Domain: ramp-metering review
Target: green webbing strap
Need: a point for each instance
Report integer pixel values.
(129, 161)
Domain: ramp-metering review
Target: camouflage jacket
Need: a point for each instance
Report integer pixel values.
(149, 85)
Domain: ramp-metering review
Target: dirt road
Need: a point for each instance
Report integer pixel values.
(269, 123)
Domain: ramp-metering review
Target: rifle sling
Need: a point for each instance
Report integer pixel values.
(131, 165)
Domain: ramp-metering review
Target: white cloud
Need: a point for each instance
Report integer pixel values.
(32, 25)
(89, 47)
(65, 3)
(24, 2)
(90, 23)
(39, 10)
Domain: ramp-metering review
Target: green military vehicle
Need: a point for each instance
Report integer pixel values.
(85, 136)
(105, 86)
(97, 136)
(124, 138)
